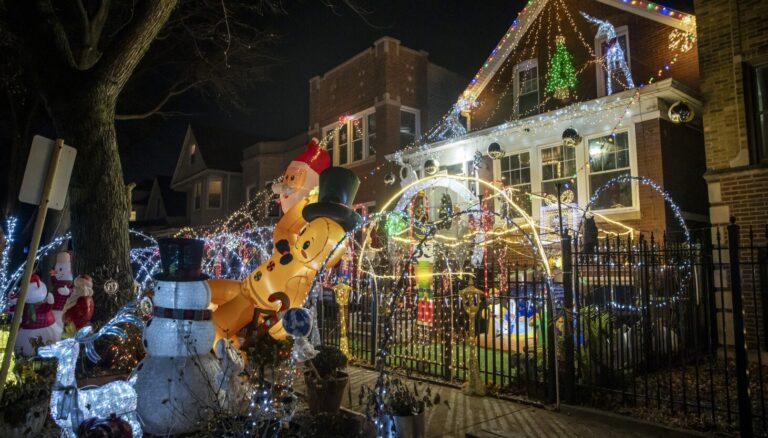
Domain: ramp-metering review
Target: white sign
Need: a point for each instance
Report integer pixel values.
(37, 169)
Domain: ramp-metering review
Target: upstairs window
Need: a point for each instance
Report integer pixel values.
(215, 186)
(618, 78)
(192, 153)
(516, 176)
(197, 194)
(609, 158)
(756, 101)
(527, 87)
(355, 139)
(408, 127)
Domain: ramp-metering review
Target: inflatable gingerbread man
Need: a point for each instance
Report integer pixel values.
(307, 236)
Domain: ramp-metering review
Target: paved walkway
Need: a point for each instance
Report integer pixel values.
(492, 417)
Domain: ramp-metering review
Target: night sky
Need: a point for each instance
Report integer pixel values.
(457, 34)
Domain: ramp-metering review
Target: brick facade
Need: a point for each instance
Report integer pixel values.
(386, 76)
(731, 34)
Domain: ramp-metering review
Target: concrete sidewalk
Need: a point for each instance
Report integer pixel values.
(492, 417)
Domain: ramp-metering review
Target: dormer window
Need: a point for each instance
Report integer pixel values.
(192, 153)
(527, 87)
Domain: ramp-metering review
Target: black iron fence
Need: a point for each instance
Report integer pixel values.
(667, 330)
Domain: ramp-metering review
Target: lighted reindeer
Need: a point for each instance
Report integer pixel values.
(71, 405)
(614, 55)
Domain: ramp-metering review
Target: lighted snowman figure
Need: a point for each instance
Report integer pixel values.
(63, 283)
(37, 321)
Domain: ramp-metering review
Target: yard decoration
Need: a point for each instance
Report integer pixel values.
(283, 281)
(471, 298)
(38, 324)
(174, 381)
(341, 291)
(78, 310)
(562, 73)
(403, 407)
(71, 405)
(614, 54)
(302, 175)
(62, 279)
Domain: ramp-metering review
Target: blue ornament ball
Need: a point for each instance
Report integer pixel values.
(297, 322)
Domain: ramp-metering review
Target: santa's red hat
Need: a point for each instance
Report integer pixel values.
(35, 279)
(316, 157)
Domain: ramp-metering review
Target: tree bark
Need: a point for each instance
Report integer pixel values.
(98, 201)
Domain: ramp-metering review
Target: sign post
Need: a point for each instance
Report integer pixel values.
(38, 188)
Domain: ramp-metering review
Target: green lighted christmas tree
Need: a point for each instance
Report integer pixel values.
(562, 74)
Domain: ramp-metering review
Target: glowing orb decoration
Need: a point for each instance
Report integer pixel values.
(495, 151)
(571, 137)
(297, 322)
(681, 112)
(431, 167)
(389, 179)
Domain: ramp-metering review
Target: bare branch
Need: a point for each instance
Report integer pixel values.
(156, 109)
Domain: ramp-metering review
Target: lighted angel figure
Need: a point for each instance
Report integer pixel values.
(614, 54)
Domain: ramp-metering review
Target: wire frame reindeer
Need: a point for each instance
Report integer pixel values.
(70, 405)
(614, 55)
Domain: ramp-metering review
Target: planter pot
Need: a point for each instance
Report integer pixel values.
(411, 426)
(32, 425)
(325, 395)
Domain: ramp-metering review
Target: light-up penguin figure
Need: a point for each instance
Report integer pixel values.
(309, 235)
(614, 55)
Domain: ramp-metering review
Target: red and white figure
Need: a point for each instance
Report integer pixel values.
(78, 309)
(62, 280)
(302, 175)
(37, 319)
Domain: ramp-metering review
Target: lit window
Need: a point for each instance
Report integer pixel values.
(407, 128)
(133, 216)
(215, 185)
(516, 175)
(355, 139)
(608, 158)
(192, 153)
(197, 195)
(558, 165)
(756, 99)
(527, 87)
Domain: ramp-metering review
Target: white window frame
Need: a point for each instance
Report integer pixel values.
(417, 116)
(197, 190)
(632, 145)
(524, 66)
(499, 175)
(602, 73)
(333, 143)
(208, 193)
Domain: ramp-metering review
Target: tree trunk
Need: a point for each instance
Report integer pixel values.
(98, 201)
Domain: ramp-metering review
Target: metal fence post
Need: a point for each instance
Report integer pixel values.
(739, 336)
(569, 373)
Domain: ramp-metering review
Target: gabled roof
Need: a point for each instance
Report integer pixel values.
(530, 13)
(175, 202)
(221, 149)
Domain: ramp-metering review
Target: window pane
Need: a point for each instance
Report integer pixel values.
(568, 191)
(558, 162)
(356, 127)
(516, 174)
(617, 195)
(343, 144)
(407, 128)
(214, 192)
(610, 152)
(371, 134)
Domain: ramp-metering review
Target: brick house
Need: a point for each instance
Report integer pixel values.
(626, 132)
(384, 97)
(733, 58)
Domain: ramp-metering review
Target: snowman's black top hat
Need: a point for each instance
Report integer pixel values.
(338, 187)
(181, 260)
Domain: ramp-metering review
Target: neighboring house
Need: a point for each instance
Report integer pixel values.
(381, 99)
(165, 205)
(208, 171)
(626, 132)
(139, 197)
(266, 161)
(733, 57)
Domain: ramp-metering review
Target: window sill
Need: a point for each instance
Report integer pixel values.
(371, 159)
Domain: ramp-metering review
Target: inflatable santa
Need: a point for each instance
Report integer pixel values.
(61, 277)
(78, 309)
(37, 322)
(302, 175)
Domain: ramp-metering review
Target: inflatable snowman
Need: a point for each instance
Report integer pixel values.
(37, 321)
(62, 284)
